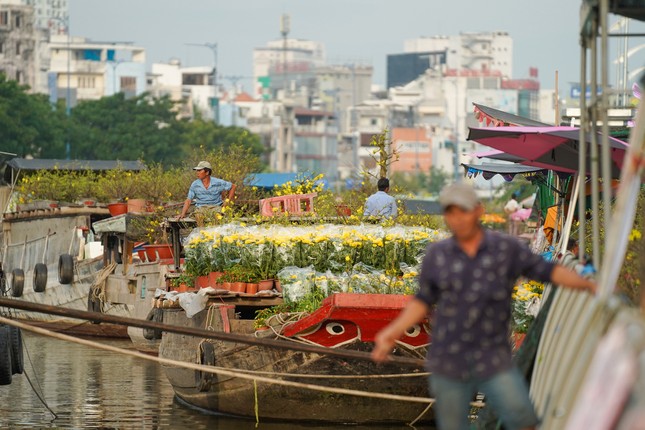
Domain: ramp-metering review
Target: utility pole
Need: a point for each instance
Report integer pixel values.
(285, 27)
(213, 48)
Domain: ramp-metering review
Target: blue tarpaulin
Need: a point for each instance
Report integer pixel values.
(268, 181)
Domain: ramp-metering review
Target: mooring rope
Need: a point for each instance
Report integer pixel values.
(97, 289)
(218, 371)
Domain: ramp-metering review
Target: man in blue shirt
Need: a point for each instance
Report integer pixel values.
(470, 278)
(205, 190)
(380, 204)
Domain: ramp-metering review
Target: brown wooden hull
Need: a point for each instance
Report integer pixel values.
(236, 396)
(81, 328)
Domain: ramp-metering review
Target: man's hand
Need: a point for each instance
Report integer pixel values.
(385, 340)
(383, 345)
(570, 279)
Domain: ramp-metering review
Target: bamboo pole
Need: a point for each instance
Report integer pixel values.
(199, 332)
(603, 107)
(582, 151)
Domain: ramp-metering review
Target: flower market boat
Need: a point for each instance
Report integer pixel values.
(345, 320)
(334, 281)
(51, 255)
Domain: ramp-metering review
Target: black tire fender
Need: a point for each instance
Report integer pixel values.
(17, 282)
(17, 357)
(65, 269)
(40, 277)
(5, 355)
(155, 315)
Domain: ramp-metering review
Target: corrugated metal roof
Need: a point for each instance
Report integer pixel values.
(51, 164)
(16, 165)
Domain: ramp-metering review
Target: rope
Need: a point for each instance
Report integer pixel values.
(210, 369)
(319, 376)
(98, 285)
(38, 391)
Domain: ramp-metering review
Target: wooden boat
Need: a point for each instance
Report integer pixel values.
(47, 258)
(345, 320)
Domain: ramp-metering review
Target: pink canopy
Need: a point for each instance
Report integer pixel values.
(554, 148)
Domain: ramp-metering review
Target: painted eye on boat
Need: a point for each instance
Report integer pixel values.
(413, 331)
(335, 328)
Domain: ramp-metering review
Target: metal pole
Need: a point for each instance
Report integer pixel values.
(595, 225)
(456, 142)
(604, 97)
(624, 97)
(68, 105)
(582, 150)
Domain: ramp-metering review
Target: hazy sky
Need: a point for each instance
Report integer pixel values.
(544, 31)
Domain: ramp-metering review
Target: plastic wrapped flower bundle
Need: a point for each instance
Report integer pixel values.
(526, 304)
(365, 258)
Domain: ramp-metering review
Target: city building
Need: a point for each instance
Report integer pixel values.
(315, 149)
(18, 39)
(414, 148)
(194, 86)
(484, 51)
(284, 62)
(406, 67)
(50, 15)
(81, 69)
(339, 87)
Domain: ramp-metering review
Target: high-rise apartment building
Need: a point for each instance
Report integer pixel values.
(52, 15)
(284, 61)
(17, 43)
(479, 52)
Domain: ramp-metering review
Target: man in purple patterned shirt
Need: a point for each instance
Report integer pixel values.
(470, 278)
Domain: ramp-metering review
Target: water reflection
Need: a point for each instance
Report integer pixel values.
(90, 388)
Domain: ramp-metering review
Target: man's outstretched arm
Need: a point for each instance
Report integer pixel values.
(570, 279)
(385, 340)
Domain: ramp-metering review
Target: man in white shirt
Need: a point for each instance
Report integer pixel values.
(381, 204)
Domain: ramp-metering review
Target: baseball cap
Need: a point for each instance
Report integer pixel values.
(203, 165)
(459, 194)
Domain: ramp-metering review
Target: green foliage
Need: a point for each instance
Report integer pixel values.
(630, 280)
(421, 183)
(123, 128)
(111, 128)
(211, 137)
(383, 154)
(28, 123)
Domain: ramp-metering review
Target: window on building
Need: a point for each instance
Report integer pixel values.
(17, 48)
(86, 82)
(18, 21)
(1, 47)
(128, 83)
(193, 79)
(18, 76)
(4, 18)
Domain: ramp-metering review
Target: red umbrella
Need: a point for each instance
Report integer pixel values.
(554, 148)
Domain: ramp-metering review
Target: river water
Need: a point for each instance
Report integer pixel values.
(89, 388)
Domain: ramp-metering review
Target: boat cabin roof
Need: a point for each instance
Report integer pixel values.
(16, 165)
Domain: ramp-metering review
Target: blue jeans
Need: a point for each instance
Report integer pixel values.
(506, 392)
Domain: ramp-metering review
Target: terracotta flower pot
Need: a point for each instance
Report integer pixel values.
(265, 284)
(117, 208)
(277, 285)
(251, 288)
(138, 205)
(142, 255)
(202, 282)
(238, 287)
(213, 278)
(227, 285)
(163, 251)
